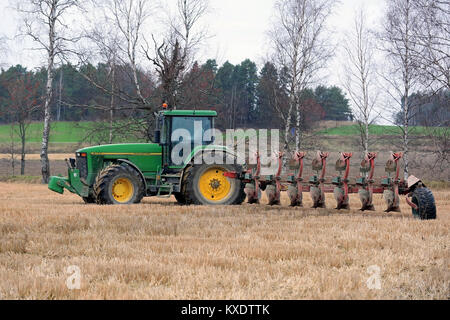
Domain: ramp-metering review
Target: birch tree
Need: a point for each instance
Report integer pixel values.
(129, 17)
(403, 74)
(44, 21)
(359, 78)
(299, 46)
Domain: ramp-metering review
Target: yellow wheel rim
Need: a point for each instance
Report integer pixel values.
(122, 190)
(213, 185)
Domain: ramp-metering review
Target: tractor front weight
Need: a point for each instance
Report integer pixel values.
(72, 183)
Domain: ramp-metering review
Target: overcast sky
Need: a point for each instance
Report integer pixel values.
(237, 27)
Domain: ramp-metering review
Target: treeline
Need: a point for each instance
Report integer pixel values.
(429, 110)
(242, 95)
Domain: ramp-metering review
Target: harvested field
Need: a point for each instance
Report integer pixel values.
(159, 250)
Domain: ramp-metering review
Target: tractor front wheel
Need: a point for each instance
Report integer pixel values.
(118, 184)
(89, 200)
(207, 185)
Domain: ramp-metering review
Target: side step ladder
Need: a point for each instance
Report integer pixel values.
(168, 187)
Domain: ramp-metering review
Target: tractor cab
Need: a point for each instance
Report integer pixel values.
(180, 133)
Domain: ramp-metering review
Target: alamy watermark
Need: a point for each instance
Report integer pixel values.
(229, 147)
(374, 281)
(73, 282)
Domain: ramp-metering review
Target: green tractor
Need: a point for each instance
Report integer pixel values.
(125, 173)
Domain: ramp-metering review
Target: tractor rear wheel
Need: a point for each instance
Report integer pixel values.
(426, 206)
(180, 198)
(89, 200)
(206, 185)
(118, 184)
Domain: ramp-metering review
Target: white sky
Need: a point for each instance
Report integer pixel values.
(237, 27)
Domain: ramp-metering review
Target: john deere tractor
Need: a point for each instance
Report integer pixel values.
(125, 173)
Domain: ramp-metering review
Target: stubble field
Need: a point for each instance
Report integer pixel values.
(159, 250)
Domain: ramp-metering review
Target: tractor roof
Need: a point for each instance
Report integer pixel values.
(190, 113)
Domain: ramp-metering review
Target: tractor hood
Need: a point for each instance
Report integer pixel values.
(126, 148)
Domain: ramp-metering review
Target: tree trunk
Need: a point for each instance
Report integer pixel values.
(111, 111)
(22, 155)
(286, 132)
(366, 143)
(45, 164)
(58, 113)
(298, 132)
(406, 137)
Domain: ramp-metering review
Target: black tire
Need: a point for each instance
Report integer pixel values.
(89, 200)
(180, 198)
(190, 193)
(108, 176)
(424, 199)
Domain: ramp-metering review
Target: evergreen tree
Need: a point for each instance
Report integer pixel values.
(268, 94)
(333, 101)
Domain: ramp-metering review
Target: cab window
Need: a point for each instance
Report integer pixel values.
(190, 124)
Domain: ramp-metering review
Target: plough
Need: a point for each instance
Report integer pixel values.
(391, 186)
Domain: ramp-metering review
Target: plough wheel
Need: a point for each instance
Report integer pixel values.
(424, 200)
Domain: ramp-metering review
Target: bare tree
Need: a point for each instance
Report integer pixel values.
(106, 43)
(129, 17)
(403, 73)
(176, 52)
(299, 47)
(21, 101)
(44, 22)
(114, 38)
(185, 27)
(432, 42)
(432, 55)
(359, 78)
